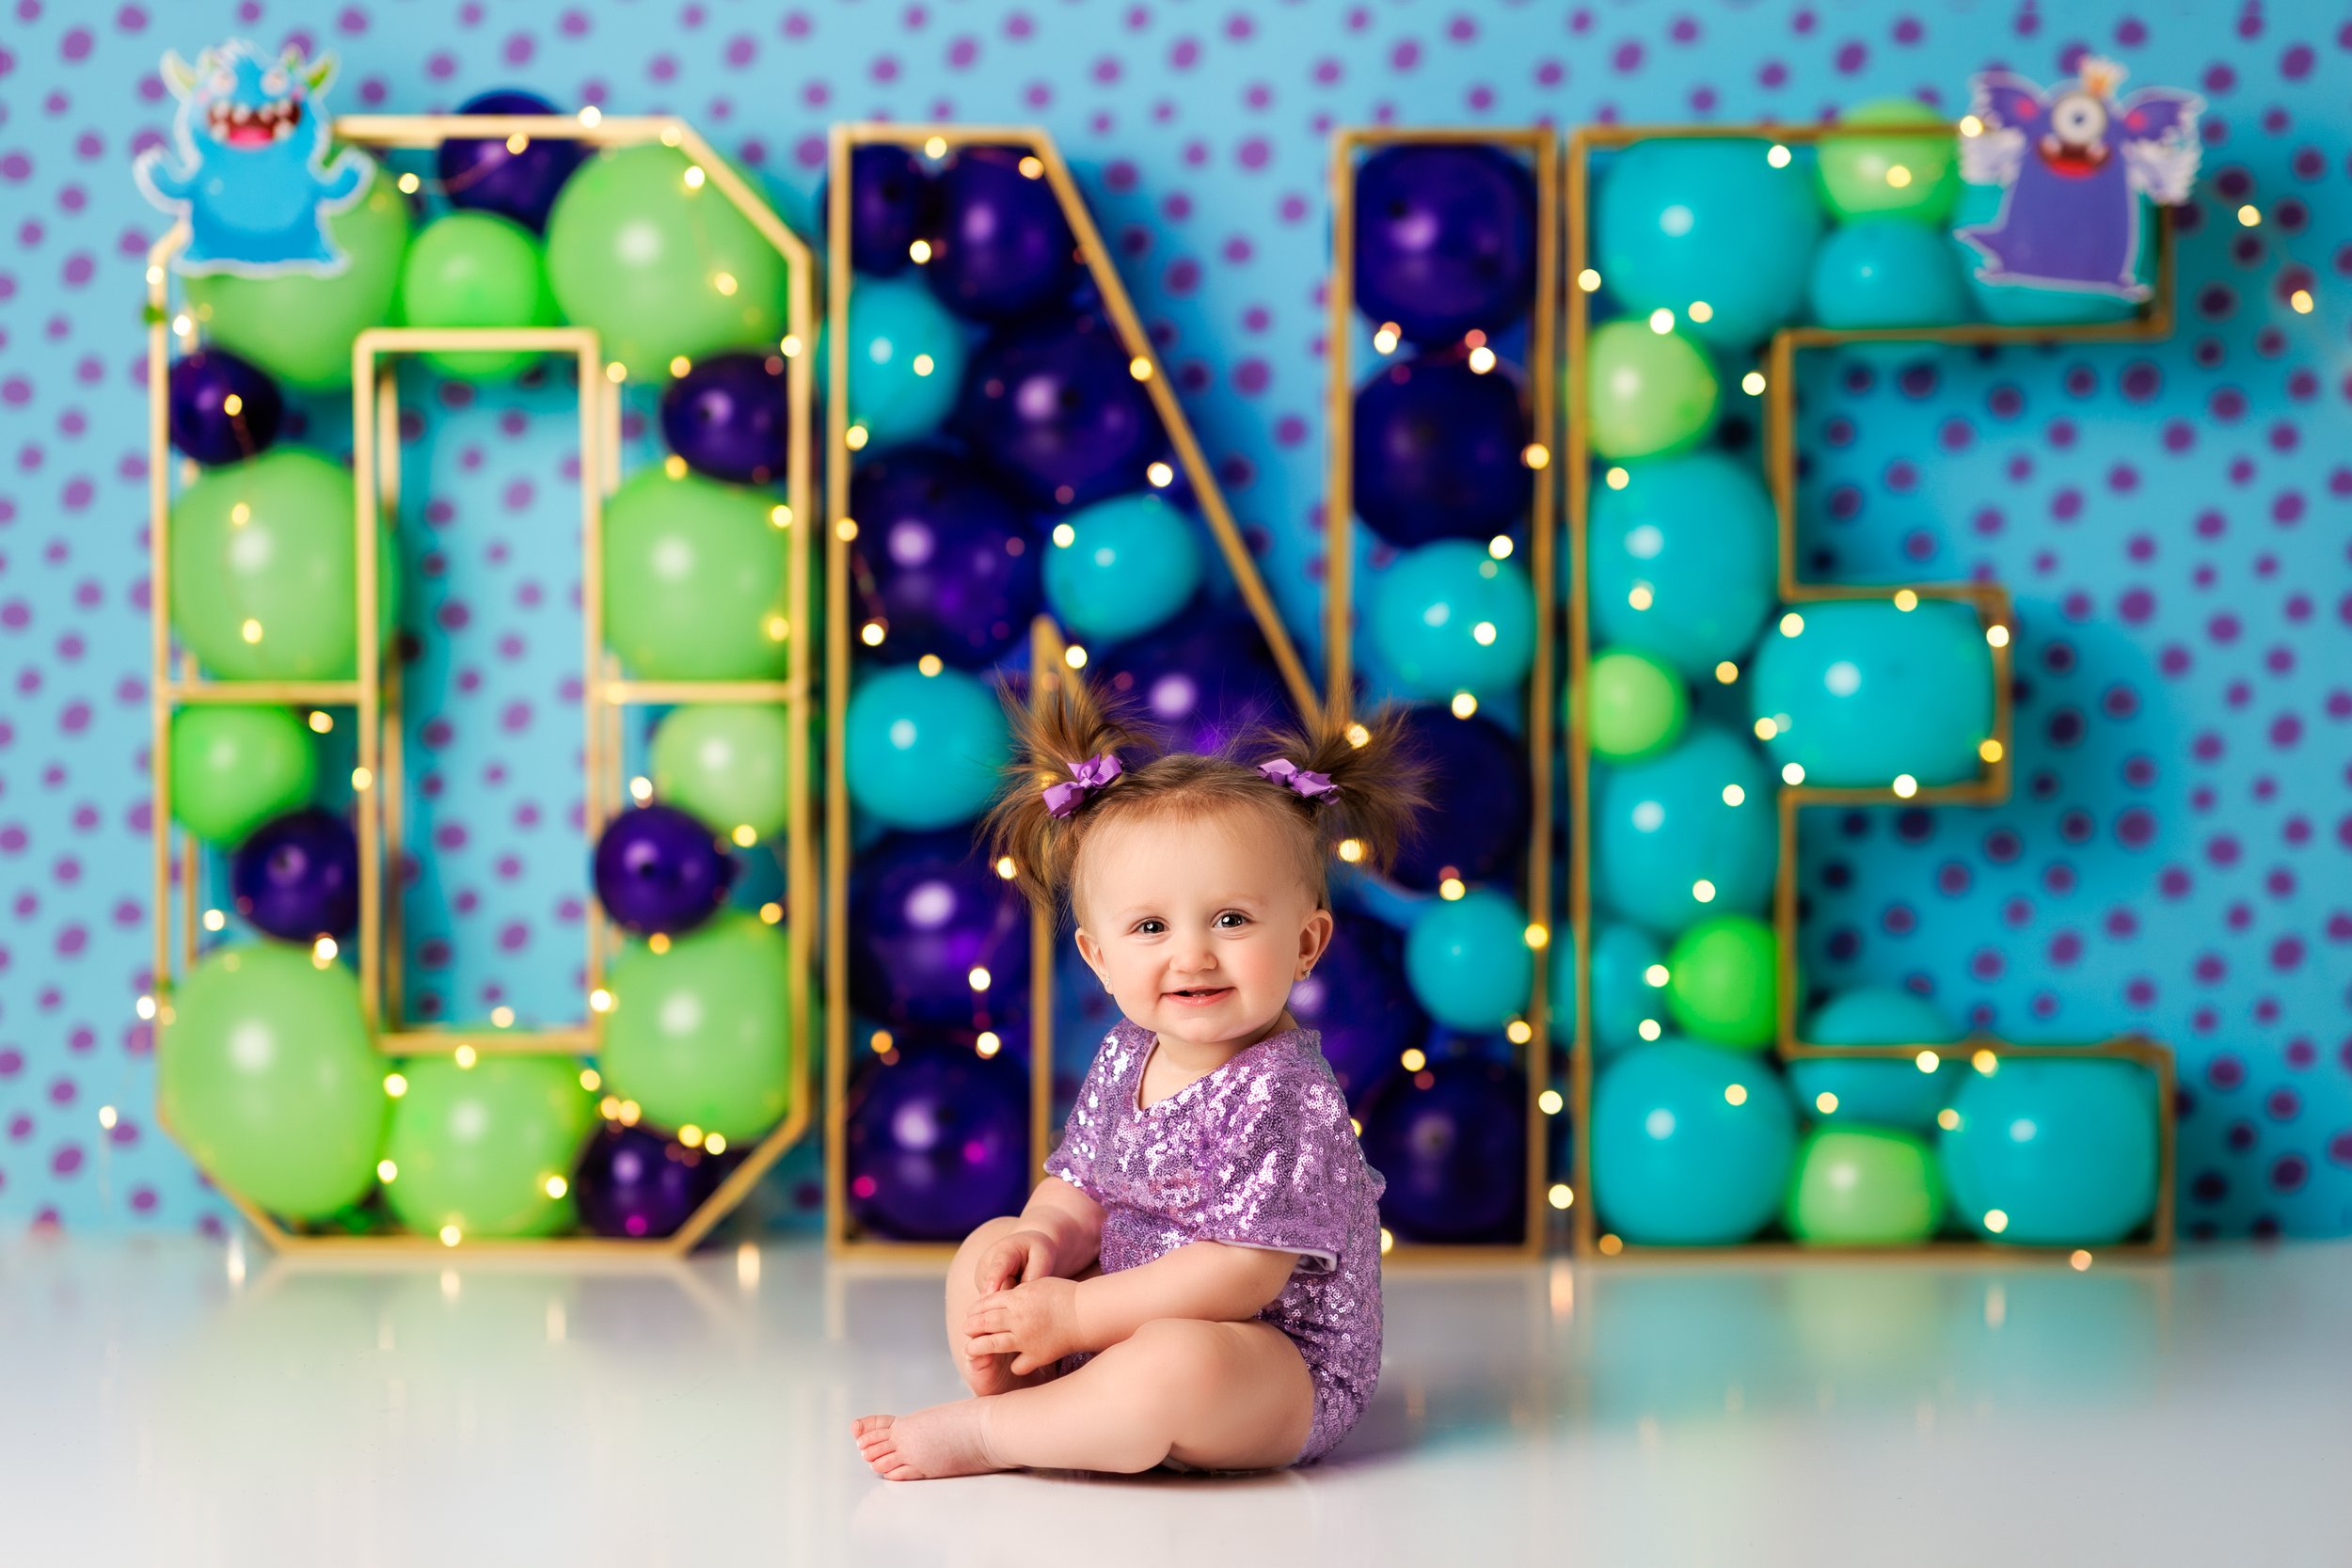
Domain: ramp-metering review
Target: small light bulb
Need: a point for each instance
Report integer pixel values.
(386, 1171)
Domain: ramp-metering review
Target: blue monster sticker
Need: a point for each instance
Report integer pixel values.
(2075, 163)
(253, 181)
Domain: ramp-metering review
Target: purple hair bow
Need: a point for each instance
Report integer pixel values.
(1087, 777)
(1284, 770)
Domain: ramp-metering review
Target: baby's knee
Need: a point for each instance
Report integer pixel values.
(990, 1231)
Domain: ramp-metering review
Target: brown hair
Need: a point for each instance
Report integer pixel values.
(1381, 785)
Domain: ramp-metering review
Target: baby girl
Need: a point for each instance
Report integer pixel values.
(1196, 1282)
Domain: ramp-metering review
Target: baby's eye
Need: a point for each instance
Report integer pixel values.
(1234, 915)
(1143, 928)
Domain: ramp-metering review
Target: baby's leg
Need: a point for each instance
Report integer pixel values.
(990, 1374)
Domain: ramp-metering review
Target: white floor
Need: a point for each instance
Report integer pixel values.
(173, 1404)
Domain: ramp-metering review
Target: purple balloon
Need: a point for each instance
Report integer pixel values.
(1440, 451)
(201, 425)
(1053, 407)
(1452, 1141)
(632, 1181)
(1207, 676)
(1479, 772)
(1359, 1000)
(1000, 246)
(729, 417)
(924, 910)
(484, 175)
(954, 562)
(297, 875)
(937, 1143)
(892, 201)
(659, 869)
(1445, 240)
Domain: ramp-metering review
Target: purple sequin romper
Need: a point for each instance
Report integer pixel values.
(1258, 1154)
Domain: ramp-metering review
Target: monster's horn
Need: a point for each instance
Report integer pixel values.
(321, 72)
(180, 75)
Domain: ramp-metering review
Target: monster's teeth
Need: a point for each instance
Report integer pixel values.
(241, 113)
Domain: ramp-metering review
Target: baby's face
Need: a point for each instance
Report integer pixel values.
(1213, 906)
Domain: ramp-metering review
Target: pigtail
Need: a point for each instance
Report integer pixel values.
(1381, 778)
(1072, 723)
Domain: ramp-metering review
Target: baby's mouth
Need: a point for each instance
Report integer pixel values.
(1201, 993)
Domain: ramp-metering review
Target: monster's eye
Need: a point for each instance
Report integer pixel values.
(275, 84)
(222, 84)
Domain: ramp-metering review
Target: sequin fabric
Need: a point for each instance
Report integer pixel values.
(1258, 1154)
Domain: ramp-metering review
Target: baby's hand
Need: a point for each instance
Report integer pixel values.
(1017, 1257)
(1036, 1323)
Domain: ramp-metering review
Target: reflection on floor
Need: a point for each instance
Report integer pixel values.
(176, 1403)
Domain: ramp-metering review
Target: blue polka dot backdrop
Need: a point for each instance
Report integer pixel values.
(2170, 515)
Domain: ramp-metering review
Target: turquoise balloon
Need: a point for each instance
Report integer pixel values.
(1863, 692)
(2019, 305)
(2063, 1152)
(1131, 562)
(1432, 606)
(1879, 1092)
(1467, 960)
(1661, 828)
(1623, 998)
(1675, 1162)
(906, 358)
(1888, 272)
(924, 750)
(1679, 222)
(1684, 560)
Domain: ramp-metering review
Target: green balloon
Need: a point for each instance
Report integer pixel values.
(476, 1147)
(1652, 393)
(1722, 983)
(694, 579)
(725, 762)
(1864, 1186)
(701, 1034)
(234, 769)
(1904, 176)
(299, 327)
(1638, 707)
(476, 269)
(266, 1075)
(263, 579)
(659, 267)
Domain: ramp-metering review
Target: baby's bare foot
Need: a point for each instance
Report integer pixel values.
(944, 1440)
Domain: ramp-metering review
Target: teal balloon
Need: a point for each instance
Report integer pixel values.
(906, 358)
(2021, 305)
(1863, 692)
(924, 750)
(1697, 534)
(1675, 1162)
(1623, 998)
(1429, 606)
(1131, 563)
(1679, 222)
(1888, 271)
(1467, 960)
(1661, 827)
(2065, 1151)
(1878, 1091)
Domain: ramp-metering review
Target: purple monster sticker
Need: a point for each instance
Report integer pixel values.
(2074, 163)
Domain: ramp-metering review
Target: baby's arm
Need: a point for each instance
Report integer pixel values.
(1070, 1220)
(1206, 1281)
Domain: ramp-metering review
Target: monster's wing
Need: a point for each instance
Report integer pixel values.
(2157, 127)
(2009, 109)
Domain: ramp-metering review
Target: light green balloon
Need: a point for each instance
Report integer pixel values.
(694, 579)
(299, 327)
(476, 269)
(266, 1076)
(661, 268)
(1864, 1186)
(1723, 984)
(234, 769)
(1916, 177)
(1638, 707)
(475, 1147)
(1651, 394)
(725, 762)
(924, 750)
(701, 1034)
(264, 585)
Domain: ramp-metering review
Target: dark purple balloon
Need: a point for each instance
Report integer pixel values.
(484, 175)
(892, 198)
(1053, 409)
(1440, 451)
(1452, 1153)
(661, 869)
(924, 910)
(1445, 240)
(632, 1181)
(729, 417)
(936, 1143)
(1480, 773)
(1359, 1000)
(1207, 676)
(1000, 246)
(297, 875)
(954, 562)
(201, 426)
